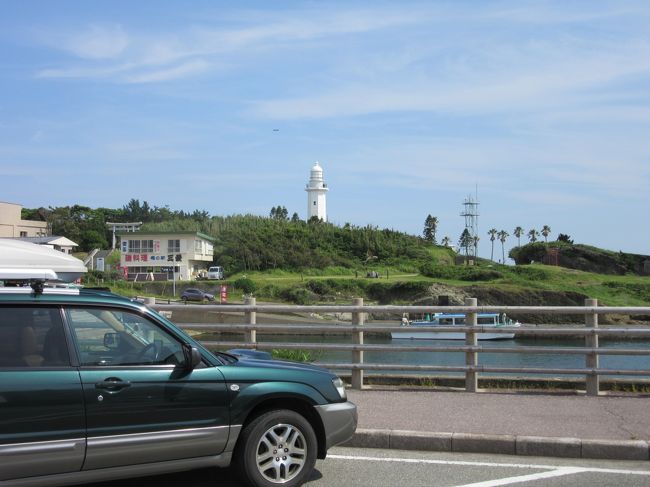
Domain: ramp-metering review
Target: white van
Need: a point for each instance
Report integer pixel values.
(215, 272)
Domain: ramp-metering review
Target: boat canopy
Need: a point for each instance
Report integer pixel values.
(461, 315)
(26, 261)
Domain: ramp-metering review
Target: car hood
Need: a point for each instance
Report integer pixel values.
(244, 361)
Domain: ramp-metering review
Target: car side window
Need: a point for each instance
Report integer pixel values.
(32, 337)
(106, 337)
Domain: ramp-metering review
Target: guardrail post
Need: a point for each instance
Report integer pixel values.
(250, 317)
(591, 341)
(357, 339)
(471, 358)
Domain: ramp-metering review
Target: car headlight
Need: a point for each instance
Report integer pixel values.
(339, 385)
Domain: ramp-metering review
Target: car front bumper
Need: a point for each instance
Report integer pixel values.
(339, 420)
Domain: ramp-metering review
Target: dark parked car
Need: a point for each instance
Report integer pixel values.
(192, 294)
(94, 386)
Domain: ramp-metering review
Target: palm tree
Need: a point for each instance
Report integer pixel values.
(493, 235)
(546, 230)
(518, 233)
(503, 235)
(532, 235)
(446, 241)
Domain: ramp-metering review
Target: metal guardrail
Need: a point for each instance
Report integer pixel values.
(471, 369)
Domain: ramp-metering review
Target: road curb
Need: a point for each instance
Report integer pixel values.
(503, 444)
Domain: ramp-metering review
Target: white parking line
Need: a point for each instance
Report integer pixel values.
(527, 478)
(565, 469)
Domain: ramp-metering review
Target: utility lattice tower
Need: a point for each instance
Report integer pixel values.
(470, 212)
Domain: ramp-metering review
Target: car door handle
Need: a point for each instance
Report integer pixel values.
(112, 384)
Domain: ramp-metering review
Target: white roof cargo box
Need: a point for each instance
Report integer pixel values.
(24, 260)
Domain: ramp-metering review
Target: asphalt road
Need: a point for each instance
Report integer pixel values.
(389, 468)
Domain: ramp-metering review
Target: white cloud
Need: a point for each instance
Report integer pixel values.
(194, 49)
(97, 42)
(183, 70)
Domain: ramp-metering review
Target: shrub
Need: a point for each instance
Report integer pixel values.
(245, 284)
(299, 295)
(296, 355)
(386, 293)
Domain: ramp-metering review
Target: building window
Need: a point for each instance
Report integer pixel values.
(198, 247)
(146, 246)
(173, 245)
(23, 234)
(134, 246)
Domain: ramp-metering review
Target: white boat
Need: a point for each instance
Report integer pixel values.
(485, 320)
(25, 260)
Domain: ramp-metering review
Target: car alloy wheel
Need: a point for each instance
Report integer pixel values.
(279, 449)
(281, 453)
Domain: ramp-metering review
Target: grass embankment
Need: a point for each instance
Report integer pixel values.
(338, 285)
(395, 287)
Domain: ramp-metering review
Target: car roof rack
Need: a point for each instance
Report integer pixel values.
(24, 263)
(17, 281)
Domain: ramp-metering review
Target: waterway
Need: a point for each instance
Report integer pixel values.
(527, 360)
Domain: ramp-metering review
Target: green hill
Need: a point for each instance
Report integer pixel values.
(246, 243)
(582, 257)
(315, 262)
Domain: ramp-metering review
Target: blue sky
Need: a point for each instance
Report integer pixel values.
(409, 107)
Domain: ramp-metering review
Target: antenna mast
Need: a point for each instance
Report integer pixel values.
(470, 212)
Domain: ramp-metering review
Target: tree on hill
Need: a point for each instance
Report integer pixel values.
(503, 235)
(465, 241)
(532, 235)
(546, 231)
(430, 229)
(493, 235)
(279, 213)
(475, 240)
(564, 238)
(446, 241)
(518, 232)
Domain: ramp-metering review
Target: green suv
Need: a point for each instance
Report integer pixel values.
(94, 386)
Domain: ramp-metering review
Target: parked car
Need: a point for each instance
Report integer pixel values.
(95, 386)
(192, 294)
(215, 272)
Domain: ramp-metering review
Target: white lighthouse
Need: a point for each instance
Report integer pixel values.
(316, 190)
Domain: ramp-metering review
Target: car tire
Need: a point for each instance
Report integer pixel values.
(276, 448)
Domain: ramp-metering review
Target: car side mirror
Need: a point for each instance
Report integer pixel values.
(192, 357)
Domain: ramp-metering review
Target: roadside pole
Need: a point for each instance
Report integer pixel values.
(251, 319)
(357, 339)
(471, 358)
(591, 341)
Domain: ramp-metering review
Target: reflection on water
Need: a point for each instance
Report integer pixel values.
(537, 360)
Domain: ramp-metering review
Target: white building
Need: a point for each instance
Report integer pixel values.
(316, 191)
(62, 244)
(158, 254)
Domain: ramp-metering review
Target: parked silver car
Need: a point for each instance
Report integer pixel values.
(193, 294)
